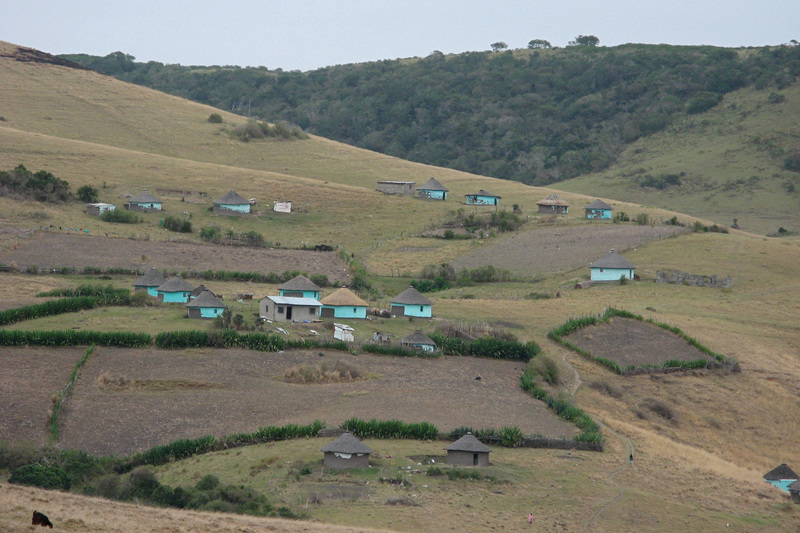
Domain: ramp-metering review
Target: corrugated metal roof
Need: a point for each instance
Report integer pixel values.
(289, 300)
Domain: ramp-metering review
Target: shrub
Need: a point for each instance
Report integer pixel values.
(215, 118)
(642, 219)
(87, 194)
(120, 216)
(390, 429)
(43, 476)
(178, 225)
(210, 233)
(620, 216)
(702, 102)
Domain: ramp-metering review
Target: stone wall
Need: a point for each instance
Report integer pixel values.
(695, 280)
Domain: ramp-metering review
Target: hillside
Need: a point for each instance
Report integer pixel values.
(702, 438)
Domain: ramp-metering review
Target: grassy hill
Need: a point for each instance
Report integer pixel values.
(702, 439)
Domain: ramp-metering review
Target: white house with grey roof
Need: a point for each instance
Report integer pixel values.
(611, 267)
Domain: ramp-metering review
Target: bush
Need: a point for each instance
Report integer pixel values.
(390, 429)
(620, 216)
(43, 476)
(702, 102)
(215, 118)
(120, 216)
(210, 233)
(178, 225)
(87, 194)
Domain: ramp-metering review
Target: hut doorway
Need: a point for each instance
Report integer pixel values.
(288, 312)
(474, 459)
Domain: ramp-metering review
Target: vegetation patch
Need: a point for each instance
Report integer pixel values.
(340, 372)
(41, 186)
(109, 383)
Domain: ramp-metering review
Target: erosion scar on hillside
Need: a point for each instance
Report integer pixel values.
(49, 251)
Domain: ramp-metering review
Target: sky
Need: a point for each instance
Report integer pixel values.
(309, 34)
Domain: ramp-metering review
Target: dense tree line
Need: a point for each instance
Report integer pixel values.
(537, 116)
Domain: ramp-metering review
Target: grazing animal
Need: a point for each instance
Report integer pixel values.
(40, 519)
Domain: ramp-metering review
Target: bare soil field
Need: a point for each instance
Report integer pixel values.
(547, 249)
(632, 342)
(54, 251)
(181, 394)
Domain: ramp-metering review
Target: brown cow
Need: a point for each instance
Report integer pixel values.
(40, 519)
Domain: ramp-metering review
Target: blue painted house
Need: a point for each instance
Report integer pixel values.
(150, 282)
(343, 304)
(300, 287)
(781, 476)
(611, 267)
(432, 190)
(418, 341)
(598, 210)
(553, 205)
(205, 306)
(482, 198)
(231, 203)
(144, 201)
(174, 290)
(411, 303)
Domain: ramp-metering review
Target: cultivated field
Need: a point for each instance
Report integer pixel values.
(55, 250)
(632, 342)
(142, 398)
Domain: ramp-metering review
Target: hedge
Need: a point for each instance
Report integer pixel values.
(390, 429)
(71, 337)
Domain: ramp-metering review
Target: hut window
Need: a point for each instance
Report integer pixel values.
(601, 270)
(312, 311)
(280, 309)
(420, 309)
(354, 310)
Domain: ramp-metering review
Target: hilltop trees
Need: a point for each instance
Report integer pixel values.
(584, 40)
(535, 44)
(498, 46)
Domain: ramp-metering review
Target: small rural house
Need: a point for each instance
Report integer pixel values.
(482, 198)
(553, 205)
(344, 304)
(781, 476)
(611, 267)
(289, 309)
(174, 290)
(150, 282)
(231, 203)
(144, 201)
(418, 341)
(794, 491)
(343, 332)
(432, 190)
(396, 187)
(598, 210)
(300, 287)
(468, 451)
(411, 303)
(197, 291)
(205, 306)
(99, 208)
(346, 452)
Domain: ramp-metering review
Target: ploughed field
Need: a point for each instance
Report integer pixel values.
(129, 400)
(632, 342)
(57, 250)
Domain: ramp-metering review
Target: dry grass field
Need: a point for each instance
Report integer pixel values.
(702, 439)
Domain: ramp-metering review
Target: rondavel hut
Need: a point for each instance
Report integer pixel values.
(205, 306)
(346, 452)
(433, 190)
(300, 287)
(553, 205)
(781, 476)
(468, 451)
(411, 302)
(150, 282)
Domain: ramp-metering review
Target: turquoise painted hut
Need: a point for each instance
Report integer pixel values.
(482, 198)
(611, 267)
(300, 287)
(432, 190)
(205, 306)
(781, 476)
(411, 303)
(418, 341)
(231, 203)
(174, 290)
(144, 201)
(794, 491)
(150, 282)
(553, 205)
(598, 210)
(343, 304)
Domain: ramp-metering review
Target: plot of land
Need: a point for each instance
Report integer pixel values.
(128, 400)
(627, 341)
(54, 251)
(549, 249)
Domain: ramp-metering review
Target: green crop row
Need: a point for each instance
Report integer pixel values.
(390, 429)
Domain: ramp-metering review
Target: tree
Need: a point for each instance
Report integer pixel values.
(499, 45)
(585, 40)
(87, 194)
(537, 44)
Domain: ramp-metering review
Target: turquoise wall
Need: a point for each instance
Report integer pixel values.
(433, 195)
(482, 200)
(211, 312)
(176, 297)
(611, 274)
(152, 291)
(598, 213)
(782, 484)
(422, 311)
(242, 208)
(306, 294)
(152, 205)
(347, 311)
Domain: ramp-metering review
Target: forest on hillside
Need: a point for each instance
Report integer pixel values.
(536, 116)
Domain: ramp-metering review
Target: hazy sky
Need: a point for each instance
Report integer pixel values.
(308, 34)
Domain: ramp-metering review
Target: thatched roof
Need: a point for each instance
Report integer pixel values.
(553, 199)
(153, 278)
(598, 204)
(411, 296)
(197, 291)
(483, 193)
(144, 197)
(780, 472)
(300, 283)
(794, 486)
(468, 443)
(206, 299)
(432, 185)
(612, 260)
(346, 443)
(343, 297)
(417, 338)
(175, 284)
(231, 198)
